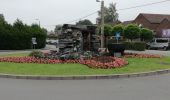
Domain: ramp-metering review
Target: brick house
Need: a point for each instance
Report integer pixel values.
(156, 22)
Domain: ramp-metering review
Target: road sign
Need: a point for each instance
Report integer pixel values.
(117, 35)
(34, 42)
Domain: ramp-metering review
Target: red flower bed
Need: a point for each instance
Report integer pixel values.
(135, 55)
(92, 63)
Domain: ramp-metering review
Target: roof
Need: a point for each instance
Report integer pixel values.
(156, 18)
(128, 22)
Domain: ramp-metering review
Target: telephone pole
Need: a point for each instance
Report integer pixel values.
(102, 23)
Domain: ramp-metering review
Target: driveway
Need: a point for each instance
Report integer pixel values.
(144, 88)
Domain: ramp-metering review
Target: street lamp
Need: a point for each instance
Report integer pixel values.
(102, 22)
(38, 21)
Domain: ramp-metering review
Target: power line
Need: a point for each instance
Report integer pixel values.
(82, 17)
(133, 7)
(143, 5)
(122, 9)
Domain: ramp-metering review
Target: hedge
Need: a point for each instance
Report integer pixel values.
(19, 36)
(138, 46)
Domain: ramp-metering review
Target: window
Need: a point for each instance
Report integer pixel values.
(162, 41)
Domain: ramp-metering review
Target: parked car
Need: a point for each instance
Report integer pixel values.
(159, 43)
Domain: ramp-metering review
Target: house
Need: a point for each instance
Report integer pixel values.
(159, 23)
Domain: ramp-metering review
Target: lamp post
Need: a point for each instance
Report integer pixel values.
(102, 23)
(38, 21)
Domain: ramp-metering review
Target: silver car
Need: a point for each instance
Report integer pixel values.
(159, 43)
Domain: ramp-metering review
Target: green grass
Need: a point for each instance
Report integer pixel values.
(135, 65)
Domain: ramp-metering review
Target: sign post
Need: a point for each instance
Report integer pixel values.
(34, 42)
(117, 36)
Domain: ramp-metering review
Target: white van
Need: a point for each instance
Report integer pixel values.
(159, 43)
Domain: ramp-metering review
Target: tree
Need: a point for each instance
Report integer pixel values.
(107, 30)
(118, 28)
(84, 22)
(18, 24)
(18, 36)
(146, 34)
(132, 31)
(110, 14)
(2, 19)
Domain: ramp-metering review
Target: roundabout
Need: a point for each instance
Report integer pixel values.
(18, 66)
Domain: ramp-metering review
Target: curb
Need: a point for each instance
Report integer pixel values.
(93, 77)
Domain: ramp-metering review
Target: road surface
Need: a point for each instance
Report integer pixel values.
(143, 88)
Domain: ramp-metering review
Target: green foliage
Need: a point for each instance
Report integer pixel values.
(84, 22)
(146, 34)
(138, 46)
(110, 14)
(107, 30)
(88, 55)
(37, 54)
(132, 31)
(18, 36)
(118, 28)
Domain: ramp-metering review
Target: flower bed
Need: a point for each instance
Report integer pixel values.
(135, 55)
(113, 62)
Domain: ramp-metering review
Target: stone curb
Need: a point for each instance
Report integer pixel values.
(92, 77)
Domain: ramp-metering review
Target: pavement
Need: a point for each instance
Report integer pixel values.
(143, 88)
(158, 52)
(48, 47)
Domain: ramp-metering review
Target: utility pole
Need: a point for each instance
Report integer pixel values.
(102, 25)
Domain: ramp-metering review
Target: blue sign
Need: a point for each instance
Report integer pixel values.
(117, 35)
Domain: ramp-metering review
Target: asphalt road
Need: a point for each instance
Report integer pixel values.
(158, 52)
(143, 88)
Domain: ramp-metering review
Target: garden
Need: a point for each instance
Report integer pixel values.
(39, 63)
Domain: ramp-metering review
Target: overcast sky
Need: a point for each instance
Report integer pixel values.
(53, 12)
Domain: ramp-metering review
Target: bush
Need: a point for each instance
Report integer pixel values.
(139, 46)
(18, 36)
(108, 30)
(118, 28)
(132, 31)
(146, 34)
(37, 54)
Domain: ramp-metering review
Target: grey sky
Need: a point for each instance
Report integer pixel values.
(52, 12)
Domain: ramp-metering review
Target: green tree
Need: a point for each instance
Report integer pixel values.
(84, 22)
(132, 31)
(2, 19)
(118, 28)
(146, 34)
(110, 14)
(107, 30)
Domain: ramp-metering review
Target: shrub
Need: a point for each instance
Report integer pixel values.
(118, 28)
(37, 54)
(108, 30)
(18, 36)
(139, 46)
(132, 31)
(146, 34)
